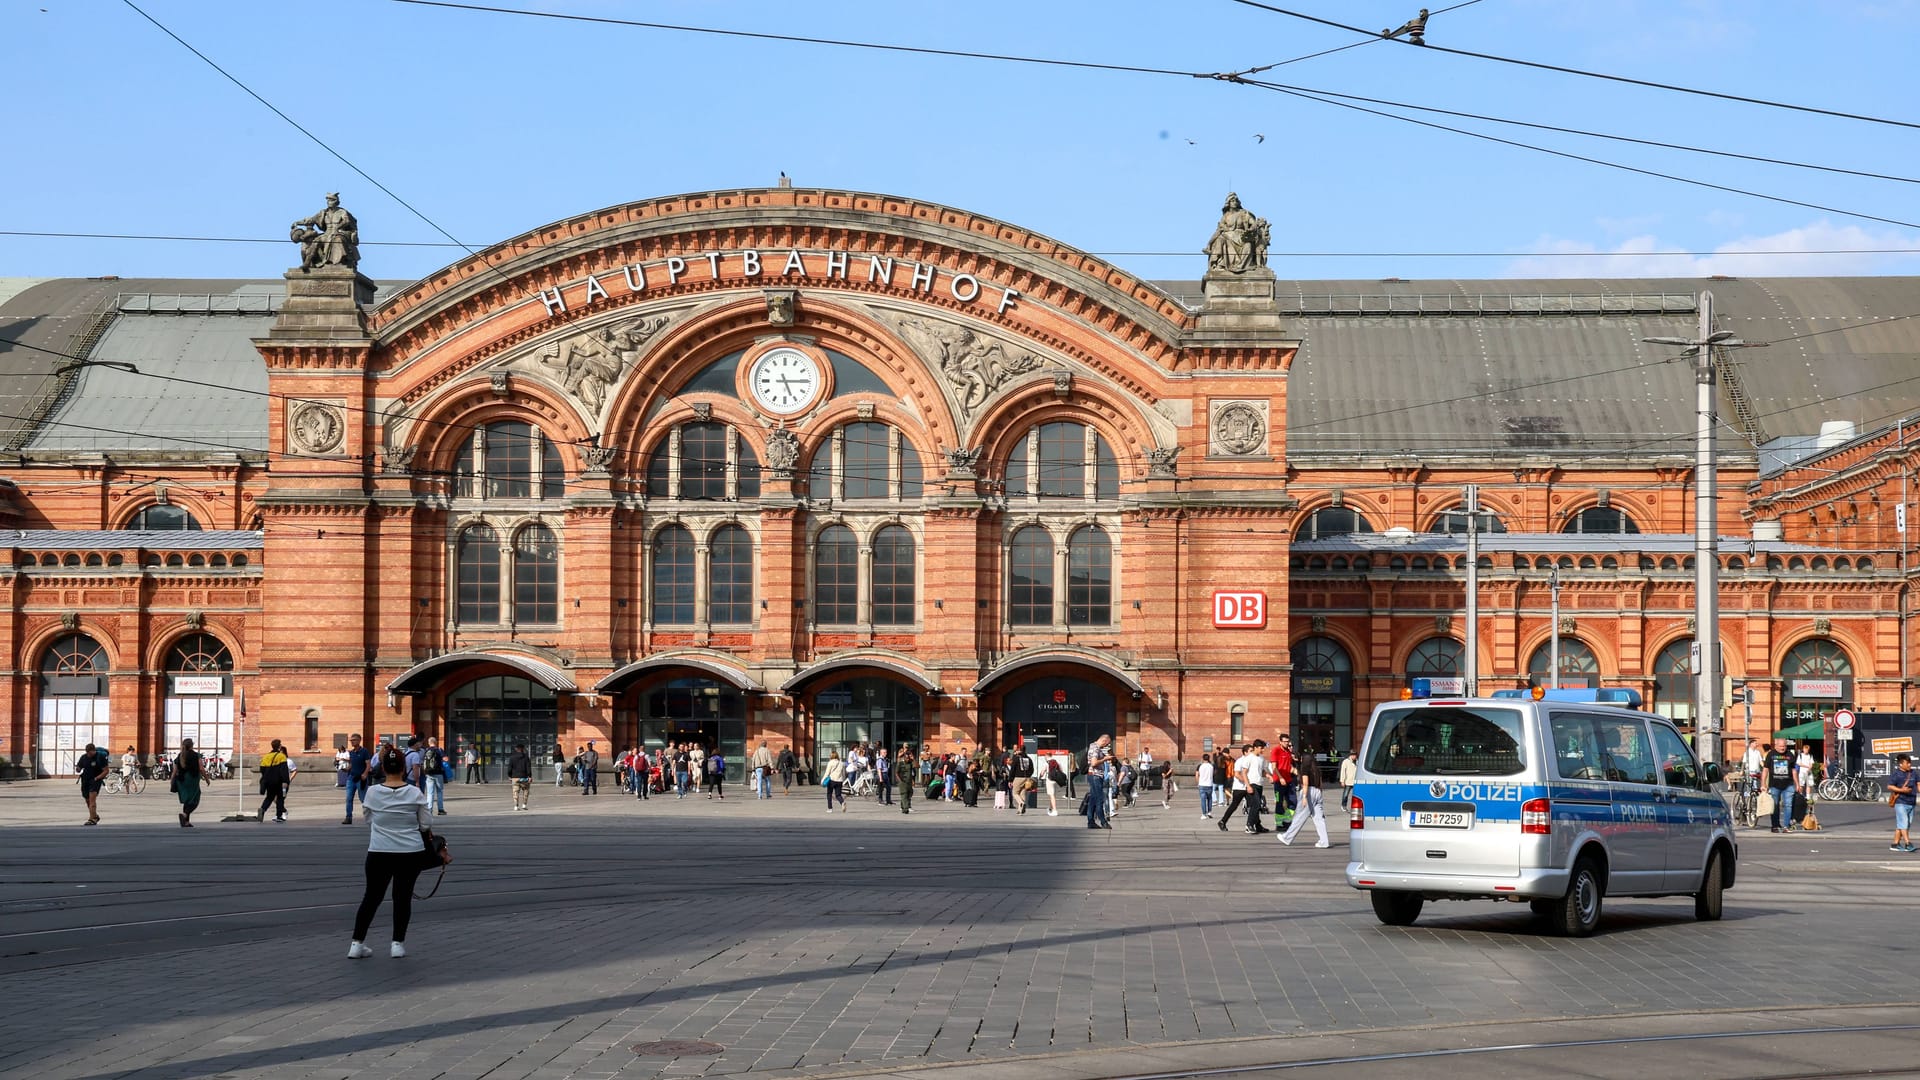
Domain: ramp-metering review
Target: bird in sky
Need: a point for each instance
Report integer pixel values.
(1190, 142)
(1259, 138)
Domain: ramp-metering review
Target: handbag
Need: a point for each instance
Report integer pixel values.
(1892, 799)
(433, 853)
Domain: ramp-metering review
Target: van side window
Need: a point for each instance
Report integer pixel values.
(1677, 767)
(1576, 749)
(1624, 741)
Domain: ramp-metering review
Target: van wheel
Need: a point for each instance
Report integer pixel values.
(1706, 902)
(1578, 913)
(1397, 908)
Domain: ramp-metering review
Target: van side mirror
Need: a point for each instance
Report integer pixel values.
(1712, 772)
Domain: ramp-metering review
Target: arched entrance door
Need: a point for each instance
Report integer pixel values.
(696, 709)
(1061, 714)
(73, 704)
(199, 701)
(870, 710)
(1816, 680)
(495, 713)
(1322, 697)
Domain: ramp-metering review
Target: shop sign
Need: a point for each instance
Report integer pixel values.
(1814, 688)
(833, 698)
(1902, 745)
(1240, 610)
(1446, 685)
(199, 684)
(1057, 703)
(1320, 685)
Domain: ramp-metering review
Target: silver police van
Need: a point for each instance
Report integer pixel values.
(1556, 803)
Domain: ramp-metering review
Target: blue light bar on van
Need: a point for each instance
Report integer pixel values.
(1599, 695)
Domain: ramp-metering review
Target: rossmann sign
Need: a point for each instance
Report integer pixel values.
(1245, 610)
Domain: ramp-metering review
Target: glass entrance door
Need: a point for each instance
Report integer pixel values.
(869, 711)
(694, 710)
(493, 714)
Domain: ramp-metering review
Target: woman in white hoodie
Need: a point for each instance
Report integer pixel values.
(396, 851)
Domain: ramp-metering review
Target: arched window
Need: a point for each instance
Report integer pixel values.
(478, 560)
(1578, 665)
(893, 565)
(1062, 460)
(1320, 653)
(1089, 577)
(536, 577)
(703, 461)
(673, 577)
(730, 576)
(509, 459)
(836, 577)
(1454, 522)
(714, 461)
(866, 460)
(1816, 656)
(1436, 656)
(74, 654)
(1030, 578)
(199, 652)
(165, 517)
(1673, 681)
(1600, 519)
(1333, 521)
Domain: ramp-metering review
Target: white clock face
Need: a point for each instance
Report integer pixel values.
(784, 380)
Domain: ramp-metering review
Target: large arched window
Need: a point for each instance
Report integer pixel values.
(1062, 460)
(704, 461)
(1454, 522)
(198, 653)
(1816, 656)
(1321, 653)
(165, 517)
(866, 460)
(509, 459)
(1436, 656)
(1030, 578)
(1089, 577)
(74, 654)
(74, 707)
(1601, 519)
(1673, 681)
(1578, 665)
(893, 565)
(536, 577)
(1816, 679)
(1333, 521)
(478, 562)
(730, 576)
(673, 577)
(836, 577)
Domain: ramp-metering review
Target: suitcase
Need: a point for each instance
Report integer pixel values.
(999, 800)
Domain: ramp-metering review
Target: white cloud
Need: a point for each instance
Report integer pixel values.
(1820, 249)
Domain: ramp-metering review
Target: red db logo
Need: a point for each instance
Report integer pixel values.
(1240, 610)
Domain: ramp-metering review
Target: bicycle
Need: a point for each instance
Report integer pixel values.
(1745, 804)
(129, 783)
(1840, 786)
(162, 771)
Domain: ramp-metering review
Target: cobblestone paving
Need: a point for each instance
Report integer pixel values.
(822, 944)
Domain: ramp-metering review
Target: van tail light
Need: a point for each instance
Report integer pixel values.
(1536, 816)
(1356, 813)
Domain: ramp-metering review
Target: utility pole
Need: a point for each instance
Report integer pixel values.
(1553, 631)
(1706, 538)
(1470, 665)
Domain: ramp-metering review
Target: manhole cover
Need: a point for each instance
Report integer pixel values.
(677, 1048)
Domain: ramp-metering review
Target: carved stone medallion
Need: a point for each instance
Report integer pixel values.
(315, 427)
(1237, 428)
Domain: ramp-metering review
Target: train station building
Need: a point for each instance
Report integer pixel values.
(818, 467)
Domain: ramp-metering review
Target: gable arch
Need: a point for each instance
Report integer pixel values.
(439, 434)
(1497, 507)
(1008, 420)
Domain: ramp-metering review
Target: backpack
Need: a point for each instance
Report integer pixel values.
(435, 761)
(1054, 773)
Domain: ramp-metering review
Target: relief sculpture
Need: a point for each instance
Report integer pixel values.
(973, 365)
(589, 364)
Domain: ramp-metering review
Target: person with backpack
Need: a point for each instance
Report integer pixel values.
(717, 775)
(640, 774)
(520, 772)
(396, 850)
(1022, 769)
(1056, 783)
(91, 766)
(788, 766)
(433, 762)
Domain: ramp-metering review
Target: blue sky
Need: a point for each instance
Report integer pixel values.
(494, 124)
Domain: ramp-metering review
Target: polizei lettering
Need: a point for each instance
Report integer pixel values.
(1482, 792)
(794, 265)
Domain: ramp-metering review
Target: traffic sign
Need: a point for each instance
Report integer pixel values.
(1843, 719)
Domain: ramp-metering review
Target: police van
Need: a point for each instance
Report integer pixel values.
(1553, 802)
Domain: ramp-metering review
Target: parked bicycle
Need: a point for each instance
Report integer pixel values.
(1840, 786)
(162, 770)
(1745, 803)
(125, 783)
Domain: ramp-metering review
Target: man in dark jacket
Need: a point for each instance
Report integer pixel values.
(590, 771)
(520, 771)
(92, 767)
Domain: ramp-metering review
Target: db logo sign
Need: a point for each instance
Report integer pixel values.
(1240, 610)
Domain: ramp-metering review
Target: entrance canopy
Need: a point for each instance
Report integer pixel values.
(1060, 656)
(423, 676)
(909, 675)
(1811, 731)
(628, 675)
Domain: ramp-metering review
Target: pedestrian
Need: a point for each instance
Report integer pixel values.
(1244, 792)
(1099, 757)
(787, 766)
(682, 769)
(358, 758)
(1901, 786)
(590, 770)
(1203, 784)
(717, 776)
(396, 850)
(641, 775)
(91, 766)
(908, 767)
(762, 771)
(1056, 783)
(474, 771)
(129, 763)
(1777, 768)
(274, 778)
(559, 764)
(1803, 774)
(415, 761)
(1283, 774)
(836, 781)
(883, 775)
(1022, 769)
(696, 766)
(1349, 772)
(1167, 787)
(1310, 806)
(433, 762)
(520, 771)
(189, 771)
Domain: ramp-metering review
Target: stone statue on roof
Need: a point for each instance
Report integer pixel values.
(328, 238)
(1239, 242)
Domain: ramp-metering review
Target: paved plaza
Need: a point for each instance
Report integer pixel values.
(948, 942)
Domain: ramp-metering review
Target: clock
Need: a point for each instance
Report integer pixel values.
(785, 380)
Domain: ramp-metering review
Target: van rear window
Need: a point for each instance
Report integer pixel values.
(1444, 740)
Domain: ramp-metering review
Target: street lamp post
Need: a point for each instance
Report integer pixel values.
(1553, 630)
(1706, 542)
